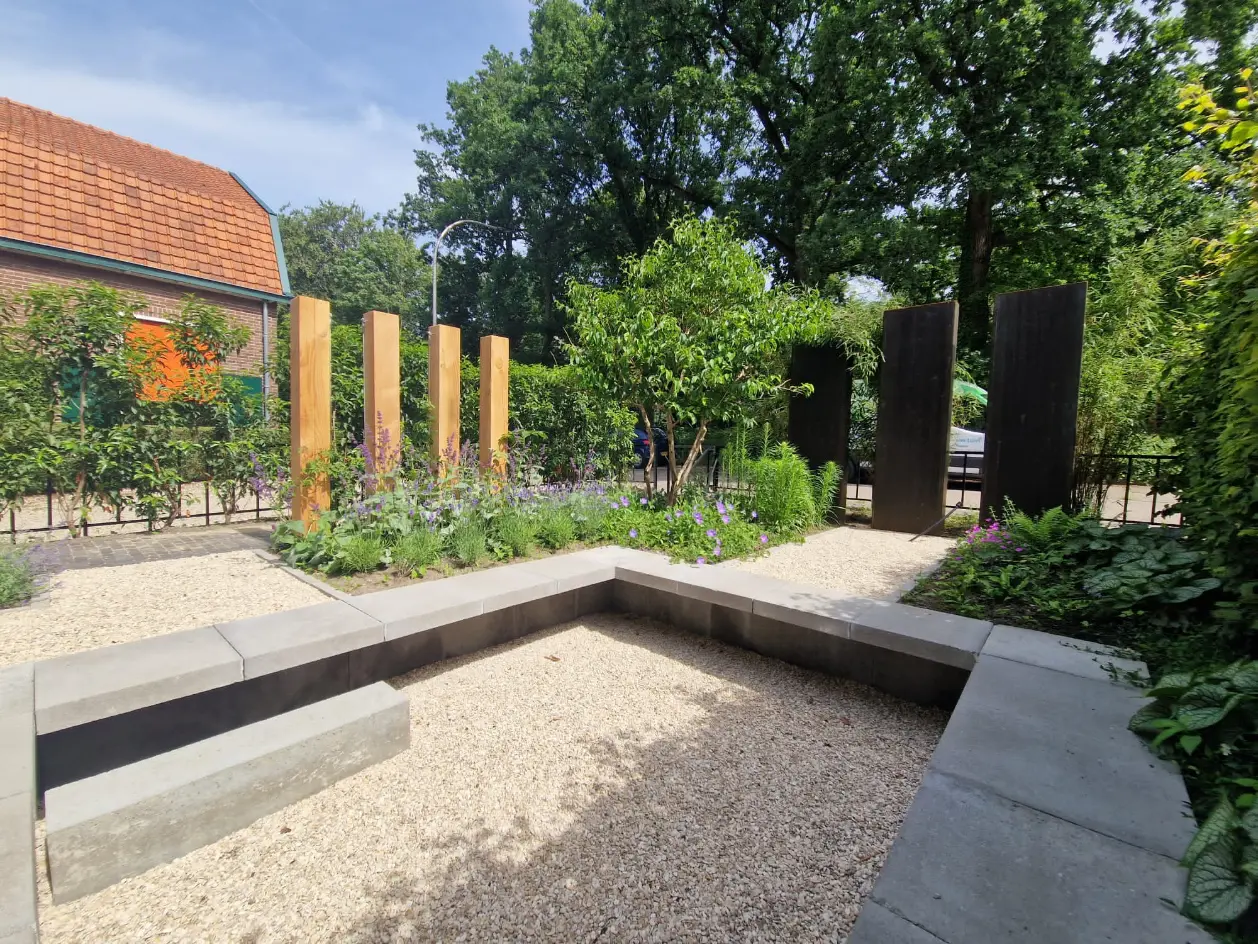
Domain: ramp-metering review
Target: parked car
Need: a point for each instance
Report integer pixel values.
(965, 456)
(642, 449)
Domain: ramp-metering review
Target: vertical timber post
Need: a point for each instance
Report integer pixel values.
(382, 391)
(1033, 399)
(444, 349)
(310, 420)
(818, 425)
(495, 366)
(914, 417)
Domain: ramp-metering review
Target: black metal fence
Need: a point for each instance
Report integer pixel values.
(44, 506)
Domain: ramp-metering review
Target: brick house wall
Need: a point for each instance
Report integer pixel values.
(19, 272)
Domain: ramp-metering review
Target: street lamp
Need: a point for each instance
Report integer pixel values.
(437, 245)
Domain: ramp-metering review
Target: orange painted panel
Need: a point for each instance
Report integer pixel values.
(172, 374)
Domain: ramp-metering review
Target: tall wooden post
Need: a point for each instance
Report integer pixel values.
(310, 419)
(382, 390)
(818, 425)
(914, 417)
(1033, 399)
(443, 389)
(495, 361)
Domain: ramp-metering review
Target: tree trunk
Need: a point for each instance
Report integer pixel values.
(681, 476)
(648, 474)
(973, 291)
(80, 478)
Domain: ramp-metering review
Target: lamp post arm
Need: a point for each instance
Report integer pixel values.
(436, 247)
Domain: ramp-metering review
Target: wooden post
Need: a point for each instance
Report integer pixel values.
(914, 417)
(494, 375)
(382, 390)
(818, 425)
(443, 389)
(1033, 399)
(310, 419)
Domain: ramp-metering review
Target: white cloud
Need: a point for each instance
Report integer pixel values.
(286, 153)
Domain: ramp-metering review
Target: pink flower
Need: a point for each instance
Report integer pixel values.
(764, 539)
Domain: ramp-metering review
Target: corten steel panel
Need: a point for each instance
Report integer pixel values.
(818, 425)
(914, 417)
(1033, 400)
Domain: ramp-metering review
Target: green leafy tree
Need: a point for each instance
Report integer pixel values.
(694, 335)
(356, 262)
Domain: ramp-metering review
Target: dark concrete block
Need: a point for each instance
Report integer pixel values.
(480, 632)
(818, 649)
(731, 626)
(1059, 743)
(689, 614)
(594, 598)
(913, 678)
(553, 610)
(971, 866)
(395, 657)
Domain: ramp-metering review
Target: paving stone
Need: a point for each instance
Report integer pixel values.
(1061, 653)
(1059, 743)
(941, 637)
(282, 640)
(17, 729)
(18, 921)
(84, 686)
(118, 824)
(572, 571)
(419, 607)
(877, 925)
(972, 867)
(811, 608)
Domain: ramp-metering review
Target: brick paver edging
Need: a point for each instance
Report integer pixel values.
(1041, 818)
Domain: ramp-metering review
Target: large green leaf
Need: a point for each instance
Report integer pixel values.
(1218, 892)
(1205, 705)
(1171, 685)
(1219, 825)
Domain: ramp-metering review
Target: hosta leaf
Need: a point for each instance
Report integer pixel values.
(1171, 685)
(1246, 679)
(1218, 891)
(1249, 823)
(1205, 705)
(1142, 720)
(1218, 825)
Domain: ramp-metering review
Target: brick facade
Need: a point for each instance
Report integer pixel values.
(19, 272)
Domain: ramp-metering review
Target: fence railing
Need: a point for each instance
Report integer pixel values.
(39, 515)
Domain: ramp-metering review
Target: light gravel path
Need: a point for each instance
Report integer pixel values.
(608, 780)
(106, 605)
(859, 561)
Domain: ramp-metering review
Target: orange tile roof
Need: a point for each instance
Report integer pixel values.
(74, 186)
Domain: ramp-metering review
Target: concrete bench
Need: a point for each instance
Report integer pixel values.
(18, 924)
(131, 819)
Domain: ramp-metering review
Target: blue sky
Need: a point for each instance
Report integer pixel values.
(304, 99)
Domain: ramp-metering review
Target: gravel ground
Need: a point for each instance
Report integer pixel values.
(860, 561)
(606, 780)
(101, 606)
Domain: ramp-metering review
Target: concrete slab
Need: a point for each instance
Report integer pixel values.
(650, 571)
(573, 571)
(811, 608)
(413, 609)
(735, 589)
(1060, 744)
(279, 641)
(941, 637)
(18, 921)
(877, 925)
(506, 587)
(17, 729)
(970, 866)
(84, 686)
(1060, 653)
(118, 824)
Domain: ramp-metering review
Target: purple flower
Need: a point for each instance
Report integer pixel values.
(624, 501)
(700, 561)
(633, 532)
(725, 519)
(720, 506)
(641, 501)
(717, 552)
(711, 532)
(764, 539)
(668, 516)
(698, 518)
(1018, 550)
(754, 516)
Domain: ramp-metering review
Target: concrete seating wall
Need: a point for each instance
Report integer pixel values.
(1025, 828)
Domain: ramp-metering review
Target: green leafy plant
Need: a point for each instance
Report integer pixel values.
(358, 554)
(825, 488)
(556, 528)
(469, 542)
(785, 499)
(515, 532)
(417, 551)
(17, 577)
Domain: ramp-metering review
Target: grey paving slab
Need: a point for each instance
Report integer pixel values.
(1061, 653)
(18, 917)
(418, 607)
(941, 637)
(876, 925)
(572, 571)
(1059, 743)
(504, 587)
(972, 867)
(735, 589)
(649, 571)
(112, 550)
(98, 683)
(17, 729)
(282, 640)
(811, 608)
(119, 823)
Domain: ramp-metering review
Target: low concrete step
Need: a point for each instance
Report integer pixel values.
(130, 819)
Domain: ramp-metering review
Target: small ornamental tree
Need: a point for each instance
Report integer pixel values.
(693, 336)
